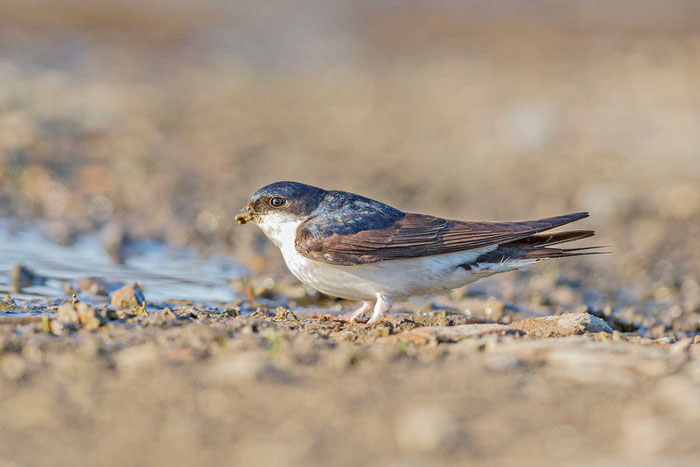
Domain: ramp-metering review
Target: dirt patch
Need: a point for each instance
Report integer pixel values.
(187, 383)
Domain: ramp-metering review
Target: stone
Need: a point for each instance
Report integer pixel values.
(568, 324)
(456, 333)
(82, 313)
(109, 314)
(89, 316)
(129, 296)
(167, 313)
(6, 306)
(93, 286)
(284, 314)
(67, 313)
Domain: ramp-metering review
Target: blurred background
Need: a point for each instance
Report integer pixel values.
(162, 117)
(143, 126)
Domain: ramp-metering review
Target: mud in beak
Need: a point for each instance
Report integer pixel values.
(244, 215)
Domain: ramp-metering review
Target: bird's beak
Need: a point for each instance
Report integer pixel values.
(244, 215)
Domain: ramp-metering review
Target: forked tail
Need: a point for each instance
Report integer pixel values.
(539, 246)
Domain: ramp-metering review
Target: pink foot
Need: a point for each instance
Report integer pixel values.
(353, 318)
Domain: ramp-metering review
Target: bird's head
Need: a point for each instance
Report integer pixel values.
(283, 202)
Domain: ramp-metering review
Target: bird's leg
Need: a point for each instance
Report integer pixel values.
(366, 306)
(380, 308)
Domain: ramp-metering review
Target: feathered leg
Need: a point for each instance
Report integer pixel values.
(381, 308)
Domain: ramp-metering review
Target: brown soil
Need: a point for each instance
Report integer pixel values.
(199, 385)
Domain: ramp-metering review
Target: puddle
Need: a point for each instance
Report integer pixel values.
(164, 273)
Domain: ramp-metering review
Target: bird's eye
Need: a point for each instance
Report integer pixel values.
(277, 201)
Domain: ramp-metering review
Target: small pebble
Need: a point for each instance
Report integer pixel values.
(129, 296)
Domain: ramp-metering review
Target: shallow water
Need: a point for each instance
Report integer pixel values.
(164, 273)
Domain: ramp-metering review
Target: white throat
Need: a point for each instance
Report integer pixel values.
(280, 228)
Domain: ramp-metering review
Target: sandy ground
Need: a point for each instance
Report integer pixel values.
(121, 120)
(195, 385)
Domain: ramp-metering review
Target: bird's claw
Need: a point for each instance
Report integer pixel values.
(354, 317)
(355, 320)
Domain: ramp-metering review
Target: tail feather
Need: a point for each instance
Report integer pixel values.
(504, 255)
(529, 249)
(549, 239)
(538, 246)
(547, 253)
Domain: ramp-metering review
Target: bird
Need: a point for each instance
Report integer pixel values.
(349, 246)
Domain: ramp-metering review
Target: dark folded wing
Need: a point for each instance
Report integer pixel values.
(413, 235)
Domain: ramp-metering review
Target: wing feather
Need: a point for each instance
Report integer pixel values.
(410, 236)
